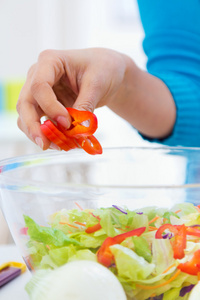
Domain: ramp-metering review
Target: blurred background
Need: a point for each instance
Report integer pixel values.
(29, 26)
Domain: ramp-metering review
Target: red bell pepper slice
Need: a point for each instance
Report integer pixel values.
(162, 229)
(104, 255)
(57, 137)
(192, 266)
(77, 135)
(175, 228)
(193, 231)
(90, 144)
(78, 117)
(179, 243)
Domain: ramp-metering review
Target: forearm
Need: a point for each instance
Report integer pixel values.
(145, 102)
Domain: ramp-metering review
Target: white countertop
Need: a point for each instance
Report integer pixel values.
(15, 288)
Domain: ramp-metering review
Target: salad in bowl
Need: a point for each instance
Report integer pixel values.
(153, 252)
(131, 213)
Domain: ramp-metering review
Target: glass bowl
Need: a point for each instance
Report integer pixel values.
(41, 185)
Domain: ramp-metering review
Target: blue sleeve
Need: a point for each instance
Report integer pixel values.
(172, 46)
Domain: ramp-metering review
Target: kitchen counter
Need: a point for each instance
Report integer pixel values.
(15, 288)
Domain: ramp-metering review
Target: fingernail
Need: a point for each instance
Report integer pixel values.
(39, 142)
(63, 121)
(54, 147)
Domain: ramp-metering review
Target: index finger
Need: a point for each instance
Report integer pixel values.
(48, 71)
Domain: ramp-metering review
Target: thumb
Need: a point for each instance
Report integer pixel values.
(90, 95)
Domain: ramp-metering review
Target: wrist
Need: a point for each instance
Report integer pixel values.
(125, 92)
(144, 101)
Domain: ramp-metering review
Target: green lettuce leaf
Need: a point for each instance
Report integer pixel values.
(167, 215)
(48, 235)
(88, 240)
(130, 265)
(107, 222)
(186, 208)
(84, 254)
(60, 256)
(137, 221)
(172, 294)
(36, 252)
(141, 247)
(161, 248)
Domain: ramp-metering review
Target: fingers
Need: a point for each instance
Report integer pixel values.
(92, 91)
(37, 98)
(31, 126)
(49, 70)
(29, 117)
(97, 86)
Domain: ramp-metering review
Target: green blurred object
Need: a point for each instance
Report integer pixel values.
(12, 91)
(2, 97)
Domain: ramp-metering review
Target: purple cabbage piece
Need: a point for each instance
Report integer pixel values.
(160, 297)
(139, 213)
(113, 266)
(167, 236)
(185, 290)
(120, 209)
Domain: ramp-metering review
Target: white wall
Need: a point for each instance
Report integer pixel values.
(30, 26)
(18, 37)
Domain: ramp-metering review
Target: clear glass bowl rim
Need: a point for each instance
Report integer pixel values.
(46, 155)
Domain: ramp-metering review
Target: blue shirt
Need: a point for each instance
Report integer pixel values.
(172, 46)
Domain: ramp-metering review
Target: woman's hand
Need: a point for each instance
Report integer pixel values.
(90, 78)
(83, 79)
